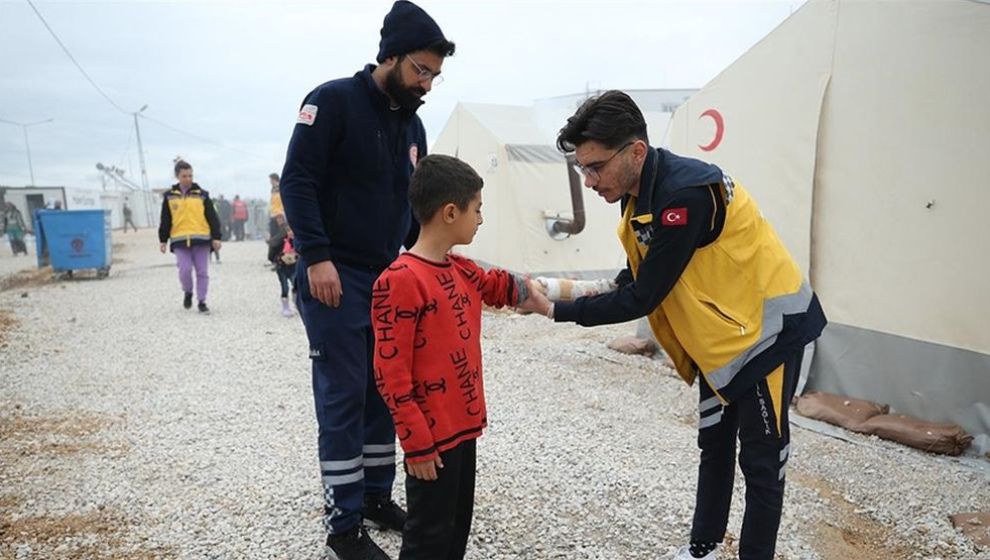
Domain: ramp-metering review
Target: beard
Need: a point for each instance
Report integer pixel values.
(407, 97)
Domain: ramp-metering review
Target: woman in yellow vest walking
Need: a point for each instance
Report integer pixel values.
(723, 297)
(190, 221)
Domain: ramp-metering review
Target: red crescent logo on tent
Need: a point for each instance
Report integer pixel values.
(719, 129)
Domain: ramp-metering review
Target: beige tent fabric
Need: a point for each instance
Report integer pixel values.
(907, 125)
(862, 130)
(521, 189)
(770, 103)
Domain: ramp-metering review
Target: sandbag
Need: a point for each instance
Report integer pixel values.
(633, 345)
(838, 410)
(975, 526)
(948, 439)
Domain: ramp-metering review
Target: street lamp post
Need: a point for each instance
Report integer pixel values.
(144, 171)
(149, 212)
(27, 143)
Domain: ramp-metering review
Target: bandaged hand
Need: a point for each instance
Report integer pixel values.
(564, 289)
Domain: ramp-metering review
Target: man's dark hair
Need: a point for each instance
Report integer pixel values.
(442, 48)
(611, 118)
(180, 165)
(440, 180)
(273, 176)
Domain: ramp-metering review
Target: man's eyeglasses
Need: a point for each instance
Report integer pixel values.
(593, 170)
(425, 74)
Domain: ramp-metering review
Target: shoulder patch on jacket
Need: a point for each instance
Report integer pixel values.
(307, 115)
(674, 217)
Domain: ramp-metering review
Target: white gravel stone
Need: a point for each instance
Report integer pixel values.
(134, 428)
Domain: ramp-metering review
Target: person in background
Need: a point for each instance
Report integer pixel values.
(191, 227)
(12, 224)
(276, 214)
(283, 257)
(226, 212)
(240, 217)
(128, 218)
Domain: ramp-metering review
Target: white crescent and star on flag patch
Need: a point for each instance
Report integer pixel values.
(674, 217)
(307, 115)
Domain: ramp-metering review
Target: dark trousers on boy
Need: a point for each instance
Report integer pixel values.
(440, 510)
(759, 419)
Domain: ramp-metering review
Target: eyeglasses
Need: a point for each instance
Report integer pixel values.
(594, 170)
(425, 74)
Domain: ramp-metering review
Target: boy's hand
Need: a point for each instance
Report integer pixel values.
(161, 247)
(425, 470)
(536, 302)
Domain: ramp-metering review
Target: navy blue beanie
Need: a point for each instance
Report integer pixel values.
(407, 28)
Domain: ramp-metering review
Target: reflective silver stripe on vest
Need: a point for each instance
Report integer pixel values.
(774, 310)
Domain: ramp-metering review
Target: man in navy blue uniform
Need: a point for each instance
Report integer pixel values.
(345, 191)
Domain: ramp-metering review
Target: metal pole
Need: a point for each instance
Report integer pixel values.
(144, 171)
(27, 145)
(148, 211)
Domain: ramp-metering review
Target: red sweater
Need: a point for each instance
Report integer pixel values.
(427, 321)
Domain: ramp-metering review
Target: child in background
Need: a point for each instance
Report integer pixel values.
(283, 256)
(426, 315)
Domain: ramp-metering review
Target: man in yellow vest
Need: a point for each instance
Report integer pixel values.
(723, 297)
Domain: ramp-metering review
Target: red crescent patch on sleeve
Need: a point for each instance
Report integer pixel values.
(674, 217)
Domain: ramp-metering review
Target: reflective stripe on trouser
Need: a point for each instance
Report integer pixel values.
(357, 437)
(759, 419)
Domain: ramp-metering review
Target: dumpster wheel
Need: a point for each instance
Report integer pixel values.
(102, 273)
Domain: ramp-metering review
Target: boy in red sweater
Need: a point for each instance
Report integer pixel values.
(426, 315)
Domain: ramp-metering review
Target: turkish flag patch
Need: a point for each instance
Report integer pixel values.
(674, 217)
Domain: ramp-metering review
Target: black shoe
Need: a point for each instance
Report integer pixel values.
(354, 545)
(381, 512)
(187, 300)
(203, 308)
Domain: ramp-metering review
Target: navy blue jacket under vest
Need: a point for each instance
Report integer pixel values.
(345, 184)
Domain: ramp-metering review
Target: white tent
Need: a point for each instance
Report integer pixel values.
(862, 129)
(529, 187)
(527, 190)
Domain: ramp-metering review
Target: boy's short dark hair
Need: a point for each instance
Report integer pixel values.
(273, 176)
(440, 180)
(611, 118)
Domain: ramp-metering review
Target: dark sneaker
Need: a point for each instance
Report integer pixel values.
(203, 308)
(187, 300)
(354, 545)
(381, 512)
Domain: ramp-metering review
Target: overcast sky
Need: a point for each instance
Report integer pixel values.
(232, 74)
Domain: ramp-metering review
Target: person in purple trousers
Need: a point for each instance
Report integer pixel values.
(191, 226)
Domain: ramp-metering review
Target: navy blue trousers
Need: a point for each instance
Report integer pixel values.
(357, 437)
(759, 419)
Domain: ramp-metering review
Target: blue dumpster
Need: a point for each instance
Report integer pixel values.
(74, 240)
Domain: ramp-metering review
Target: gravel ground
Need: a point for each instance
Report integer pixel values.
(131, 428)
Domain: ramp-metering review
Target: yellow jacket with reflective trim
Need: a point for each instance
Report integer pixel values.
(188, 218)
(725, 306)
